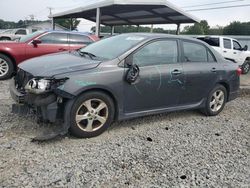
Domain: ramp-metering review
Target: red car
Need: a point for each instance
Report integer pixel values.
(38, 44)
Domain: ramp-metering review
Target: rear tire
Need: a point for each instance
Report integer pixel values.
(216, 101)
(91, 114)
(6, 67)
(245, 67)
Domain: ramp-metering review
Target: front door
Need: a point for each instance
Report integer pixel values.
(160, 80)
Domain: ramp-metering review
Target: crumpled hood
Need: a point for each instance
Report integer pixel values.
(59, 63)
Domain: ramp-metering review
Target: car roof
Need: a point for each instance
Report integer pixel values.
(68, 32)
(160, 35)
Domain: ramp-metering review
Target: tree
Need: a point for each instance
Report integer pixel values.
(67, 23)
(201, 28)
(131, 29)
(237, 28)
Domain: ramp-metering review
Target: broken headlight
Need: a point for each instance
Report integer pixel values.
(40, 86)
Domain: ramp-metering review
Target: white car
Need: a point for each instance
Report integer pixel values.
(230, 49)
(13, 34)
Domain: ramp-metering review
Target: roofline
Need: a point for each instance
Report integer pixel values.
(101, 4)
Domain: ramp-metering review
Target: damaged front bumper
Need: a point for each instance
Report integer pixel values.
(45, 106)
(48, 108)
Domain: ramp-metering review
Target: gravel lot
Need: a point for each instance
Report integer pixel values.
(183, 149)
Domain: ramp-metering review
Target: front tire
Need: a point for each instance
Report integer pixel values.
(91, 114)
(216, 101)
(245, 67)
(6, 67)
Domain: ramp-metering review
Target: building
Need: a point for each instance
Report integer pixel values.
(45, 25)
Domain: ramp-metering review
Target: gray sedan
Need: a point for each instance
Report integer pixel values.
(123, 77)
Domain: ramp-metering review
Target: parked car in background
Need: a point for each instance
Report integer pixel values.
(13, 34)
(231, 49)
(147, 74)
(37, 44)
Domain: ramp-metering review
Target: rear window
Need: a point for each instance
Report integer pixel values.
(79, 39)
(211, 41)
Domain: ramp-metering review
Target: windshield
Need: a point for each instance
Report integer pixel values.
(30, 36)
(113, 47)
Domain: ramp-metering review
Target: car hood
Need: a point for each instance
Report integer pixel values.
(59, 63)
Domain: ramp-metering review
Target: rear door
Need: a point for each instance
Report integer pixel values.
(200, 70)
(77, 41)
(50, 43)
(160, 81)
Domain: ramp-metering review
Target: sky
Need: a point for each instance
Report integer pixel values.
(14, 10)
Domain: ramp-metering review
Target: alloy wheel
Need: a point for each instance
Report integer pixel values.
(217, 101)
(4, 67)
(246, 67)
(92, 115)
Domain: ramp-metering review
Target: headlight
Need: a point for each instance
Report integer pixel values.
(38, 86)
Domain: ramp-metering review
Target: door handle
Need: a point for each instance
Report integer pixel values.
(62, 49)
(176, 72)
(213, 70)
(225, 51)
(235, 52)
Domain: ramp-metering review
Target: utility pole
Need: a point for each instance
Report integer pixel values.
(52, 19)
(152, 28)
(50, 11)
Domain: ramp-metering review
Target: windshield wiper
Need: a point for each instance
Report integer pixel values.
(82, 53)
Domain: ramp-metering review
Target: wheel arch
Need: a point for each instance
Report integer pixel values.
(247, 59)
(11, 57)
(5, 37)
(227, 86)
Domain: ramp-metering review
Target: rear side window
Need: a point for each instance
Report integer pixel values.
(79, 39)
(194, 52)
(55, 38)
(227, 43)
(211, 41)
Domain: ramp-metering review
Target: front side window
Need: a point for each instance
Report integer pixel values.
(227, 43)
(157, 53)
(21, 32)
(79, 39)
(237, 46)
(54, 38)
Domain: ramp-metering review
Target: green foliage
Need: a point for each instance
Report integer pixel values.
(131, 29)
(237, 28)
(67, 23)
(201, 28)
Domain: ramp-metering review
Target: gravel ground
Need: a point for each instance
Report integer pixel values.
(183, 149)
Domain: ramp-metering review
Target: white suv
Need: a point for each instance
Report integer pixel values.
(13, 34)
(230, 49)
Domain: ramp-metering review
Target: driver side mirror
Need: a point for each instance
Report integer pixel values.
(36, 42)
(133, 71)
(245, 48)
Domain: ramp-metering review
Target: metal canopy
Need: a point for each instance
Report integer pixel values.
(130, 12)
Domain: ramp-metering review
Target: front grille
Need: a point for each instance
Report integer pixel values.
(21, 79)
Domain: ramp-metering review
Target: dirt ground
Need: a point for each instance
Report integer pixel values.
(183, 149)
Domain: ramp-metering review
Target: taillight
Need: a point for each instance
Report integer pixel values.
(239, 71)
